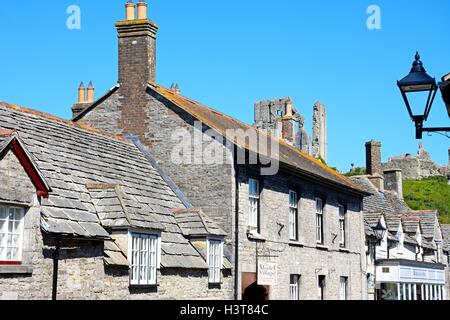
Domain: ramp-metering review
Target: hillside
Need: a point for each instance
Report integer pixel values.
(428, 194)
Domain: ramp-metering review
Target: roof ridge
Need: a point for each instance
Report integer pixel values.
(51, 117)
(280, 141)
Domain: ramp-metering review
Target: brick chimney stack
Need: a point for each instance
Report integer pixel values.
(137, 47)
(373, 164)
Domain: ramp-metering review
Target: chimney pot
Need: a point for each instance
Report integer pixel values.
(90, 93)
(142, 10)
(130, 10)
(81, 93)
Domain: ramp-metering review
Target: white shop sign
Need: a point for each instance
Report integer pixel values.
(267, 273)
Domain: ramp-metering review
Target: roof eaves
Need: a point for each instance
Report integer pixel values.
(348, 185)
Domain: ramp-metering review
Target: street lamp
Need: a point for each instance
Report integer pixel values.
(419, 81)
(379, 231)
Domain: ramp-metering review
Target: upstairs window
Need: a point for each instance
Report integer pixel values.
(321, 287)
(145, 256)
(254, 203)
(294, 287)
(343, 290)
(293, 215)
(11, 234)
(215, 260)
(319, 221)
(342, 226)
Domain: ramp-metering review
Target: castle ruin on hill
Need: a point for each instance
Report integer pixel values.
(281, 119)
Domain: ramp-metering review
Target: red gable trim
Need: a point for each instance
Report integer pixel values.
(41, 187)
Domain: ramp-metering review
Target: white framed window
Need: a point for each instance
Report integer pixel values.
(253, 203)
(319, 221)
(343, 289)
(342, 226)
(215, 260)
(294, 287)
(293, 215)
(321, 286)
(144, 255)
(11, 234)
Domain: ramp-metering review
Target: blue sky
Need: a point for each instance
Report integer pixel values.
(230, 54)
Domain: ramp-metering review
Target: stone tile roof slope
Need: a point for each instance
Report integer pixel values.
(392, 222)
(114, 256)
(446, 236)
(428, 222)
(294, 158)
(71, 157)
(385, 202)
(195, 223)
(410, 224)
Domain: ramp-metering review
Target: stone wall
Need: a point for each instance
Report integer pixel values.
(303, 257)
(82, 273)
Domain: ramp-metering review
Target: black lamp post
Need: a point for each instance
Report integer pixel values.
(419, 81)
(380, 231)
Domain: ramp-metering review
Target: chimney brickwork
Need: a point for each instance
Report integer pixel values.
(137, 49)
(373, 158)
(393, 181)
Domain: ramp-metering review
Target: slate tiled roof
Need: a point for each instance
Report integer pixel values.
(301, 162)
(377, 202)
(72, 158)
(393, 208)
(446, 236)
(114, 256)
(428, 222)
(392, 222)
(195, 223)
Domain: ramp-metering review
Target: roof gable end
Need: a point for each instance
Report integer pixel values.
(12, 142)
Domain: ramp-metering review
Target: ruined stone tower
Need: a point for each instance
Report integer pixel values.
(280, 119)
(319, 143)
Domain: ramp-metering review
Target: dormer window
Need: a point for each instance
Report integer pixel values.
(144, 254)
(215, 260)
(11, 234)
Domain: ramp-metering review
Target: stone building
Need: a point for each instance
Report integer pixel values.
(98, 209)
(411, 262)
(300, 226)
(418, 167)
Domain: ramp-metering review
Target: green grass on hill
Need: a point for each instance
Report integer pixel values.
(429, 194)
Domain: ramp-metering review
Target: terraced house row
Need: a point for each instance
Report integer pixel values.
(97, 207)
